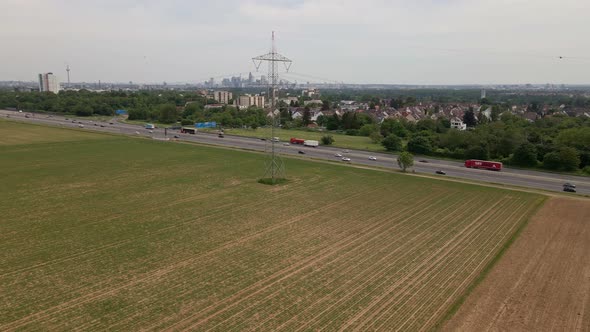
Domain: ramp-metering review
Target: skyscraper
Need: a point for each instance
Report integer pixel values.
(48, 83)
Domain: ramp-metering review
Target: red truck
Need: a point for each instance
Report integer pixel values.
(296, 140)
(491, 165)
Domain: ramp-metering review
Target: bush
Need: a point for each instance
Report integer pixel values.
(327, 140)
(186, 122)
(352, 132)
(586, 170)
(392, 143)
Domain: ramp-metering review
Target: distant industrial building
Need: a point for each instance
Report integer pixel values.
(48, 83)
(222, 96)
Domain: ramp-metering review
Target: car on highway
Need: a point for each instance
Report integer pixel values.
(73, 121)
(423, 161)
(301, 152)
(96, 124)
(345, 159)
(263, 139)
(345, 151)
(372, 158)
(102, 125)
(81, 125)
(286, 144)
(338, 155)
(441, 172)
(151, 131)
(27, 116)
(569, 189)
(110, 123)
(176, 136)
(567, 184)
(220, 135)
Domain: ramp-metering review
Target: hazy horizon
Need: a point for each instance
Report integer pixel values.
(423, 42)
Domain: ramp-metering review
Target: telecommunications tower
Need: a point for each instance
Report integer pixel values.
(68, 70)
(275, 169)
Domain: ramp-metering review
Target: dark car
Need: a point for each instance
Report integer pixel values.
(110, 123)
(220, 135)
(301, 152)
(441, 172)
(102, 125)
(263, 139)
(569, 189)
(176, 136)
(423, 161)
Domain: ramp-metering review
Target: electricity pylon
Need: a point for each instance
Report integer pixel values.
(275, 168)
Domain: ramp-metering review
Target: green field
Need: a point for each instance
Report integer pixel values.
(104, 232)
(340, 140)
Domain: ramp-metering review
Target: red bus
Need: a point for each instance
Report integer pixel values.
(491, 165)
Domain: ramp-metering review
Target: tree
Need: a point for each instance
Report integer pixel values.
(525, 155)
(306, 119)
(477, 152)
(325, 105)
(322, 120)
(333, 122)
(570, 159)
(167, 113)
(396, 102)
(392, 143)
(367, 130)
(469, 118)
(392, 126)
(551, 160)
(420, 145)
(376, 137)
(405, 160)
(327, 140)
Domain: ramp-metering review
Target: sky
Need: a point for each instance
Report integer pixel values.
(360, 41)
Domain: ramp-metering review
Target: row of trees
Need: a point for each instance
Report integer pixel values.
(556, 143)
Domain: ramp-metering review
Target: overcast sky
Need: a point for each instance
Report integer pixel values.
(353, 41)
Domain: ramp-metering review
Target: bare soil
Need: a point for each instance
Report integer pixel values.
(542, 283)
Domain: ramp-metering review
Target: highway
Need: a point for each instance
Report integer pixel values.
(515, 177)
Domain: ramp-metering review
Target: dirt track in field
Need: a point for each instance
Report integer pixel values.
(542, 283)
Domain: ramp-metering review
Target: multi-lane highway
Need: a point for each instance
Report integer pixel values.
(514, 177)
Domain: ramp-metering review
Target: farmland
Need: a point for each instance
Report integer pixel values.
(115, 233)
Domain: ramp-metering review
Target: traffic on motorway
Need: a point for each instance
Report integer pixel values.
(513, 177)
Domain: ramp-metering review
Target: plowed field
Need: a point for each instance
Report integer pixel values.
(129, 234)
(543, 281)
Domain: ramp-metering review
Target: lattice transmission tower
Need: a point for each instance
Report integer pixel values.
(275, 168)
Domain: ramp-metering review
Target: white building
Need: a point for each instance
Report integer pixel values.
(48, 83)
(457, 123)
(246, 101)
(222, 96)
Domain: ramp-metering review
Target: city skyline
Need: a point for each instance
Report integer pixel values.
(427, 42)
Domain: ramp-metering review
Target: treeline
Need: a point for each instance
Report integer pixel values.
(556, 143)
(87, 103)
